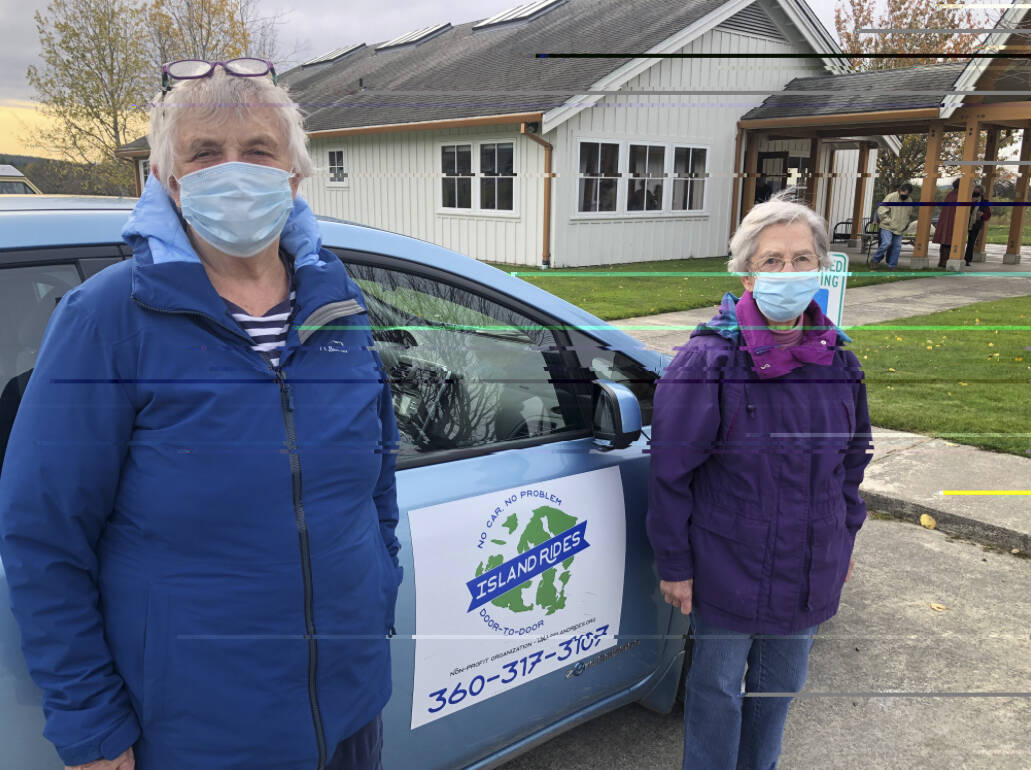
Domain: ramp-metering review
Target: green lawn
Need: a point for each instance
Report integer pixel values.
(1000, 232)
(959, 374)
(610, 293)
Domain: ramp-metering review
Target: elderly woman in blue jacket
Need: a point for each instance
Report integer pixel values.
(198, 501)
(760, 437)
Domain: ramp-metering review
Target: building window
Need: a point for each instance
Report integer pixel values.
(647, 172)
(144, 169)
(496, 176)
(599, 175)
(689, 172)
(337, 172)
(456, 163)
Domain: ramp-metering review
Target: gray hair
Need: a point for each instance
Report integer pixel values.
(216, 99)
(776, 211)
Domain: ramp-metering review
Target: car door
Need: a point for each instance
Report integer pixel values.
(32, 282)
(530, 594)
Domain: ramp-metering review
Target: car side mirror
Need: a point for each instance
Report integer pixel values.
(617, 415)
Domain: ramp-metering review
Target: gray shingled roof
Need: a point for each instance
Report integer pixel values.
(861, 92)
(493, 60)
(135, 144)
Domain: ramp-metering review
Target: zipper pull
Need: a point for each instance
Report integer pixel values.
(284, 388)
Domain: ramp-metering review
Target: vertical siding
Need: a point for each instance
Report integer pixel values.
(395, 185)
(692, 120)
(846, 163)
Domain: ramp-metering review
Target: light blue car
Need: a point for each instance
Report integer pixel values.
(530, 602)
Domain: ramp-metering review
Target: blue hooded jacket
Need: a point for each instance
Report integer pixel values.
(200, 549)
(754, 489)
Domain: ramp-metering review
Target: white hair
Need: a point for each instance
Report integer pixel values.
(216, 99)
(776, 211)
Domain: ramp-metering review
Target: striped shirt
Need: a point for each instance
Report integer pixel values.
(268, 332)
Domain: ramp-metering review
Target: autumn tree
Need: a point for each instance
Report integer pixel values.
(850, 16)
(100, 65)
(89, 83)
(209, 29)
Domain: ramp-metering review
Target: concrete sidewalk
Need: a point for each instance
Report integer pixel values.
(909, 471)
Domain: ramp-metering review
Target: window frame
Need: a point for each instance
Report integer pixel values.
(622, 214)
(673, 179)
(665, 178)
(476, 176)
(330, 182)
(482, 177)
(579, 176)
(570, 359)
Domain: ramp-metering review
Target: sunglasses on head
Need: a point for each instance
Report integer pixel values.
(191, 69)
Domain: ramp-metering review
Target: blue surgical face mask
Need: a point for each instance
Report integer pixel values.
(239, 208)
(783, 297)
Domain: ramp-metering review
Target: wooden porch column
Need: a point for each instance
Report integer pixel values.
(830, 188)
(751, 172)
(857, 203)
(927, 190)
(735, 200)
(991, 152)
(966, 185)
(812, 183)
(1012, 256)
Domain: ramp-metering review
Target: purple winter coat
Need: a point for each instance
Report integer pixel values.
(755, 473)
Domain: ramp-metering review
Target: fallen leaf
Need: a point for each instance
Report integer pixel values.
(1014, 551)
(938, 607)
(927, 520)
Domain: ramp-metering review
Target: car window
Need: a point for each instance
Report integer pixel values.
(28, 295)
(15, 188)
(466, 371)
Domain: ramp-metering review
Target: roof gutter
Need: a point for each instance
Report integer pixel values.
(844, 119)
(429, 125)
(524, 129)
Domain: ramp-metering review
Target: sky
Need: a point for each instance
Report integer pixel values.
(309, 28)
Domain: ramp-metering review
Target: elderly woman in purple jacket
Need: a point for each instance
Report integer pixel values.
(760, 437)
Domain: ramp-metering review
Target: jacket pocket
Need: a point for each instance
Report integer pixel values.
(391, 583)
(155, 656)
(729, 552)
(850, 417)
(830, 549)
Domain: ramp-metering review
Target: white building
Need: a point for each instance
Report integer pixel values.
(464, 136)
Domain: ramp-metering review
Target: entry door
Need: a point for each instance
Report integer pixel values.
(529, 591)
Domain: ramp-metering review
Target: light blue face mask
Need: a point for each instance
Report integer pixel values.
(783, 297)
(239, 208)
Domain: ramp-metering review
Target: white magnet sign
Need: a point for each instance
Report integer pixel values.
(512, 585)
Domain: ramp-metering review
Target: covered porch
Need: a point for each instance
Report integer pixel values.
(979, 100)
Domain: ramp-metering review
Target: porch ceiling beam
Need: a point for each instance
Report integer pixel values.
(995, 112)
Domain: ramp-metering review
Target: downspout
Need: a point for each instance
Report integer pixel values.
(524, 129)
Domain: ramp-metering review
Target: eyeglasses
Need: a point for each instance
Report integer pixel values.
(800, 263)
(191, 69)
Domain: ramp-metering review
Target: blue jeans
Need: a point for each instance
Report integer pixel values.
(892, 244)
(725, 729)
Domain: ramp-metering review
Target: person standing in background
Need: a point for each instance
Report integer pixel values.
(894, 219)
